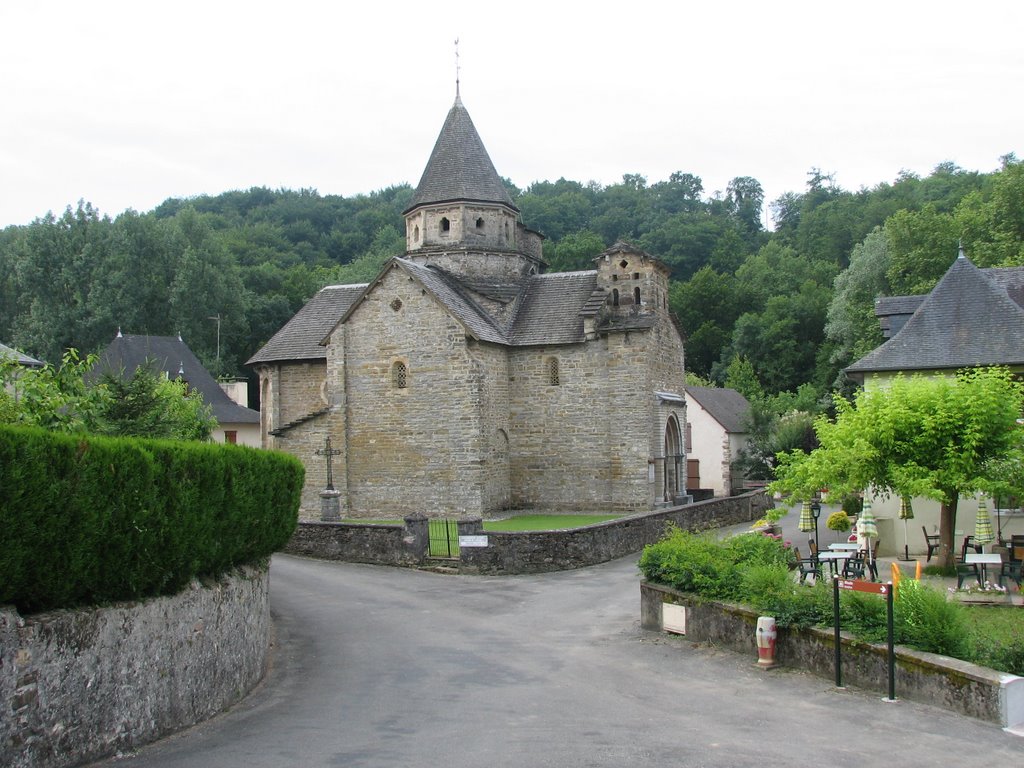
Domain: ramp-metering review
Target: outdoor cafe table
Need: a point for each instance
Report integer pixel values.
(984, 560)
(847, 546)
(834, 556)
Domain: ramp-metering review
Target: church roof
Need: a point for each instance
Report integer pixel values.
(551, 309)
(447, 289)
(726, 406)
(171, 355)
(459, 168)
(972, 317)
(300, 337)
(19, 357)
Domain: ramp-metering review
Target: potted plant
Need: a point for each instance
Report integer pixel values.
(838, 522)
(769, 523)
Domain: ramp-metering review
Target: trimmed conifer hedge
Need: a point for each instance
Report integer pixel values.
(89, 520)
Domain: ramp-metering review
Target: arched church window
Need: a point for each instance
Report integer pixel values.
(552, 372)
(399, 375)
(416, 234)
(480, 224)
(445, 225)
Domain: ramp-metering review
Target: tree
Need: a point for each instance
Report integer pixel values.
(145, 404)
(850, 324)
(148, 404)
(940, 438)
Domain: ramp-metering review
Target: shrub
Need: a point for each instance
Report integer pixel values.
(925, 620)
(838, 521)
(90, 519)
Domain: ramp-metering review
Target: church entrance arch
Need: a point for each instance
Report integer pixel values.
(673, 460)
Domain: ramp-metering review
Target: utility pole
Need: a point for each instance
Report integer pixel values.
(217, 318)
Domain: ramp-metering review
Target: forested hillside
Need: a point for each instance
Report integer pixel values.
(793, 305)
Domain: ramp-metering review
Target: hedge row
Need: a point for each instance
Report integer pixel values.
(88, 520)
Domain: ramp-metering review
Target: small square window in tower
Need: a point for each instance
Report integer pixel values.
(552, 371)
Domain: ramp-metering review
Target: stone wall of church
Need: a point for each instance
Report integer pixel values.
(416, 447)
(300, 390)
(582, 443)
(493, 367)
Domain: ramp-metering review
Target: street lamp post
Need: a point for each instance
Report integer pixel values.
(816, 513)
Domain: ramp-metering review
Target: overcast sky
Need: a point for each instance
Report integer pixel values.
(124, 104)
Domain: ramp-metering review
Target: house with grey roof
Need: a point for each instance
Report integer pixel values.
(465, 379)
(971, 318)
(19, 357)
(170, 356)
(716, 432)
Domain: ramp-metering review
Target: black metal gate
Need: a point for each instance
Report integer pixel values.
(444, 538)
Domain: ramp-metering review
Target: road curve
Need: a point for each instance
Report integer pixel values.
(377, 667)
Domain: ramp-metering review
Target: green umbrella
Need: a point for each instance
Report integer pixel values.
(806, 524)
(866, 526)
(867, 529)
(906, 513)
(983, 526)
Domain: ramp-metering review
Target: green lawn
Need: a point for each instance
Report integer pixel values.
(545, 522)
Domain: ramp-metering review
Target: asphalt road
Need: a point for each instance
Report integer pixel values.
(391, 667)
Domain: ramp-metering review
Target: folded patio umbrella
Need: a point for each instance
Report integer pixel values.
(806, 523)
(906, 513)
(867, 529)
(983, 526)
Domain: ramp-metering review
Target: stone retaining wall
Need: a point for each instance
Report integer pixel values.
(78, 685)
(509, 553)
(956, 685)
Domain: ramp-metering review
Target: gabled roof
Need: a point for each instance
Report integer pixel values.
(170, 355)
(726, 406)
(459, 168)
(969, 319)
(300, 337)
(21, 358)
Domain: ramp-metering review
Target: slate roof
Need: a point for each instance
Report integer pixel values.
(552, 307)
(23, 359)
(170, 355)
(300, 337)
(459, 168)
(970, 318)
(726, 406)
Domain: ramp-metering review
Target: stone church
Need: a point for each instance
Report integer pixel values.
(465, 380)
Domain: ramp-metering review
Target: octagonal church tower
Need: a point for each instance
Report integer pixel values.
(462, 218)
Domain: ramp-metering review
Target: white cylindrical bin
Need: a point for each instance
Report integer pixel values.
(766, 642)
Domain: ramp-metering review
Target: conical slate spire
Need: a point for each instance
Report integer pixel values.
(459, 167)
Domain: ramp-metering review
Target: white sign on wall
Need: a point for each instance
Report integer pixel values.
(472, 541)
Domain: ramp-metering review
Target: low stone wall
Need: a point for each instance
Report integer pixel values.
(959, 686)
(78, 685)
(519, 552)
(541, 551)
(362, 542)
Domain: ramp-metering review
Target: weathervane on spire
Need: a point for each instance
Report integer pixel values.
(456, 69)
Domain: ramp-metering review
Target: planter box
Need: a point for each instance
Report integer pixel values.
(959, 686)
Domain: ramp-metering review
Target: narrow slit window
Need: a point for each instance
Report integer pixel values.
(553, 372)
(636, 296)
(399, 375)
(615, 297)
